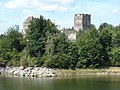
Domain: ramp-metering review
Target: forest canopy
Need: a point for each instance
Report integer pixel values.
(44, 45)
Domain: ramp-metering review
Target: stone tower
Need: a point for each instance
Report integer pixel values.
(82, 21)
(26, 24)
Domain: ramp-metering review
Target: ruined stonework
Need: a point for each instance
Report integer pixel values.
(70, 33)
(82, 21)
(26, 24)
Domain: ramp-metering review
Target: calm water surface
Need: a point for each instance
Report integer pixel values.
(73, 83)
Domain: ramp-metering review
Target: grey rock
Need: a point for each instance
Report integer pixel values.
(28, 72)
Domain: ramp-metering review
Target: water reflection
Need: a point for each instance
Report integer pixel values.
(73, 83)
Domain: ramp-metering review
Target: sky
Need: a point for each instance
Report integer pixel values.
(61, 12)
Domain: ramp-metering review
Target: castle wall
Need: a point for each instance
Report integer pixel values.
(82, 21)
(26, 24)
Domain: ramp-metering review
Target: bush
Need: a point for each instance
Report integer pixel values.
(115, 57)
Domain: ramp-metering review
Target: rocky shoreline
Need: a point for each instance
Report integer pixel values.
(28, 72)
(40, 72)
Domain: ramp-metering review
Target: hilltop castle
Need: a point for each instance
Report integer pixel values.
(81, 22)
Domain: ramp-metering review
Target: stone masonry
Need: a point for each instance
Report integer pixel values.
(26, 24)
(82, 21)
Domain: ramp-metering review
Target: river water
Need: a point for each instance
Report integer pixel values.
(71, 83)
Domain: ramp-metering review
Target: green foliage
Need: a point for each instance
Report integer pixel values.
(115, 52)
(116, 38)
(106, 38)
(105, 26)
(115, 56)
(91, 53)
(11, 45)
(37, 35)
(14, 38)
(92, 27)
(58, 53)
(45, 45)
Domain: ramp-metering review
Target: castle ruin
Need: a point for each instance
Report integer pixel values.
(26, 24)
(82, 22)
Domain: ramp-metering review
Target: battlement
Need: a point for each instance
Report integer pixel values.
(82, 14)
(82, 21)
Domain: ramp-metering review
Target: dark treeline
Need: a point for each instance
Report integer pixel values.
(45, 45)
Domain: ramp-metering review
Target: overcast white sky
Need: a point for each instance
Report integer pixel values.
(59, 11)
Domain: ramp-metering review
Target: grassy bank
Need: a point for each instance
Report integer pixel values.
(79, 72)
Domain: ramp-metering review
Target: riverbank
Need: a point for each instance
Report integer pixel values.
(48, 72)
(28, 72)
(83, 72)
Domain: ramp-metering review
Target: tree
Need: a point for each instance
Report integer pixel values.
(116, 37)
(35, 38)
(15, 38)
(115, 49)
(39, 39)
(11, 44)
(37, 35)
(92, 27)
(106, 38)
(105, 26)
(60, 52)
(91, 53)
(115, 56)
